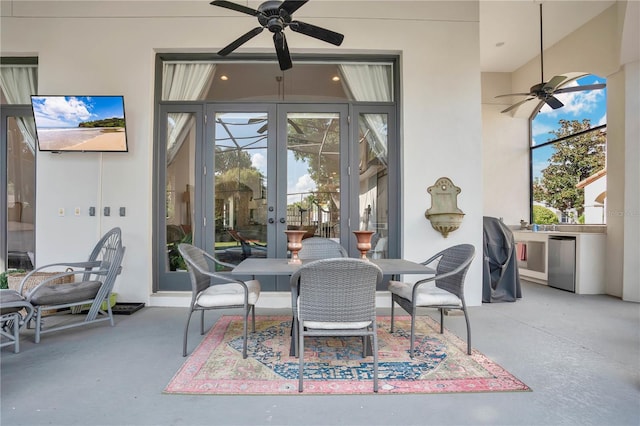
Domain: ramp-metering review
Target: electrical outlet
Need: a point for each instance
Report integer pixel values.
(61, 211)
(77, 211)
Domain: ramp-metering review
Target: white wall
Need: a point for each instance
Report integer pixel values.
(82, 54)
(594, 48)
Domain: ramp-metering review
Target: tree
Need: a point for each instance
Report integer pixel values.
(543, 216)
(573, 159)
(227, 159)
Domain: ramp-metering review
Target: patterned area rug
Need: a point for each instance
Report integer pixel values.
(335, 365)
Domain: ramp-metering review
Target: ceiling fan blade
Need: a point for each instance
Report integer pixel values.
(516, 105)
(292, 5)
(264, 128)
(282, 50)
(317, 32)
(554, 82)
(234, 6)
(240, 41)
(581, 88)
(514, 94)
(553, 102)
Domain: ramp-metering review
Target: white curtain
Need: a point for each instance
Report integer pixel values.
(184, 81)
(18, 83)
(370, 83)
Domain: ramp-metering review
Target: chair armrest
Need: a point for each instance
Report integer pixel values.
(218, 262)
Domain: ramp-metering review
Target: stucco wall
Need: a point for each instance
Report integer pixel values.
(87, 47)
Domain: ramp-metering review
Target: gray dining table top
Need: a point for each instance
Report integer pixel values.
(279, 266)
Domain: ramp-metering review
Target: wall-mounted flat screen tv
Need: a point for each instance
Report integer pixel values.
(80, 123)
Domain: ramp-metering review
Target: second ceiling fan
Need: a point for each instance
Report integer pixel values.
(545, 91)
(276, 16)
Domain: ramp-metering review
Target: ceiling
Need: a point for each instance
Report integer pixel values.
(516, 23)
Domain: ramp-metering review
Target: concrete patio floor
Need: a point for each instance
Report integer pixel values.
(579, 354)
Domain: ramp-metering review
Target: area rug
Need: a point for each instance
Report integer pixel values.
(335, 365)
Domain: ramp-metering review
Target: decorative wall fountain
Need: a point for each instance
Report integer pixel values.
(444, 214)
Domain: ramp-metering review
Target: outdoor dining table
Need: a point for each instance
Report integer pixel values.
(282, 267)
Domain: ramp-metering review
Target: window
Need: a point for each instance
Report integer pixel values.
(568, 158)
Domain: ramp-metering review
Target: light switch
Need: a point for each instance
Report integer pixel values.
(92, 211)
(107, 211)
(61, 211)
(122, 211)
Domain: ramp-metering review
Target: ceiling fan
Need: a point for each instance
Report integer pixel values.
(545, 91)
(276, 16)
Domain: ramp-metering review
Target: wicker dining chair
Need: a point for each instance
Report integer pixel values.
(211, 290)
(315, 248)
(447, 293)
(337, 297)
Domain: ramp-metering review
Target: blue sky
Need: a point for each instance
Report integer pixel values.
(590, 104)
(68, 111)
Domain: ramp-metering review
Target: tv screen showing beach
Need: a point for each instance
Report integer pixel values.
(80, 123)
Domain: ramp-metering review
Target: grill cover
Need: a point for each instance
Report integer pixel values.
(501, 280)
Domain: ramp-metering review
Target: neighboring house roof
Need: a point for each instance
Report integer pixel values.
(594, 177)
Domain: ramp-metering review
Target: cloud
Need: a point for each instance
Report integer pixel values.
(576, 103)
(304, 184)
(259, 161)
(60, 111)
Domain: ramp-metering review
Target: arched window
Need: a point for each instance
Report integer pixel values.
(568, 157)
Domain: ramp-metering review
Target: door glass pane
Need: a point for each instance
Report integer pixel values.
(179, 185)
(313, 173)
(240, 185)
(21, 193)
(374, 178)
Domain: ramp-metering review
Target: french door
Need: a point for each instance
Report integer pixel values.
(238, 175)
(17, 188)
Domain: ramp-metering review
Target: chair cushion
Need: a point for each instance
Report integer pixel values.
(326, 325)
(428, 294)
(9, 296)
(219, 295)
(332, 325)
(66, 293)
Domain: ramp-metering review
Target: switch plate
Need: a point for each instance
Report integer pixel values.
(61, 211)
(76, 211)
(123, 211)
(107, 211)
(92, 211)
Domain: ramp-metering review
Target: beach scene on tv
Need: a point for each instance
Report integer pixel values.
(80, 123)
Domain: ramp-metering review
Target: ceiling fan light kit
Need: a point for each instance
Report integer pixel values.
(545, 91)
(276, 16)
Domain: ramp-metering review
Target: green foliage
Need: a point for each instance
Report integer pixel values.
(573, 160)
(544, 216)
(176, 262)
(226, 160)
(107, 122)
(4, 281)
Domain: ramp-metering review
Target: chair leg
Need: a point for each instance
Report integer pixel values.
(375, 357)
(466, 318)
(392, 309)
(202, 322)
(186, 332)
(38, 324)
(441, 320)
(413, 333)
(253, 318)
(300, 356)
(16, 332)
(244, 333)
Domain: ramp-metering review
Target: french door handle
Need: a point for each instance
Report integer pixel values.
(283, 220)
(271, 220)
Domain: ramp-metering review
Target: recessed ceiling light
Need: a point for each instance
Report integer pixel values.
(224, 77)
(335, 78)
